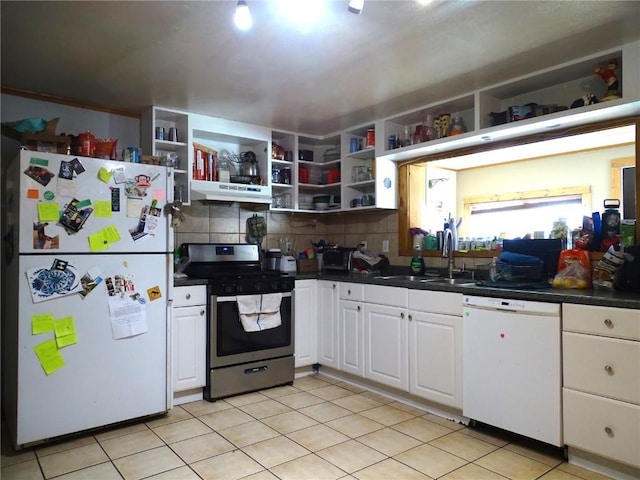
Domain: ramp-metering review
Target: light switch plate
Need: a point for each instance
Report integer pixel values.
(385, 246)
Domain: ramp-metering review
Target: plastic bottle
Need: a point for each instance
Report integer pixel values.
(417, 262)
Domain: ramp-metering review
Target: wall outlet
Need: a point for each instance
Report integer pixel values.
(385, 246)
(363, 244)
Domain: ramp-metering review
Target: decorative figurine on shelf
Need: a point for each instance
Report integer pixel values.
(586, 99)
(610, 78)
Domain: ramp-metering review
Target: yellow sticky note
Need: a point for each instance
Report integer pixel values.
(63, 326)
(41, 323)
(102, 208)
(104, 175)
(49, 356)
(48, 212)
(97, 242)
(66, 340)
(111, 234)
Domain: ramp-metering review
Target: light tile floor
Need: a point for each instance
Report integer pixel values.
(319, 428)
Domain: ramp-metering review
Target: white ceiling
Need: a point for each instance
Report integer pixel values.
(346, 71)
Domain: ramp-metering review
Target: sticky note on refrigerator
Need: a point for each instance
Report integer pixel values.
(33, 193)
(48, 212)
(65, 331)
(104, 175)
(49, 356)
(41, 323)
(97, 242)
(102, 208)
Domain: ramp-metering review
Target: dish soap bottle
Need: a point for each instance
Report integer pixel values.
(417, 262)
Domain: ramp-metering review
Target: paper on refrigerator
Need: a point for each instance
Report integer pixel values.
(128, 316)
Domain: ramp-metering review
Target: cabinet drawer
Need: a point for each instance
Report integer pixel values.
(381, 295)
(608, 321)
(601, 365)
(188, 296)
(603, 426)
(447, 303)
(352, 291)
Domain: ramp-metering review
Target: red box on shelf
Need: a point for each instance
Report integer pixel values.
(333, 176)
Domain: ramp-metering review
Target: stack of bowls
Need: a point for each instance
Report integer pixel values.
(321, 202)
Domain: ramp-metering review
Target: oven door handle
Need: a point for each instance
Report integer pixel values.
(234, 298)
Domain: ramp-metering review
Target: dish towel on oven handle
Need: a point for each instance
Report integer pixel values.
(259, 312)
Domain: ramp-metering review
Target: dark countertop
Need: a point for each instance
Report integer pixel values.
(600, 297)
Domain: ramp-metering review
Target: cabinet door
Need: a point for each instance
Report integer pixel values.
(352, 337)
(189, 345)
(386, 352)
(435, 357)
(328, 323)
(306, 322)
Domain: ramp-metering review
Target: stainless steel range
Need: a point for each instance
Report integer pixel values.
(240, 359)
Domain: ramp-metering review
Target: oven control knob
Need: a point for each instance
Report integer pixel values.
(229, 289)
(257, 287)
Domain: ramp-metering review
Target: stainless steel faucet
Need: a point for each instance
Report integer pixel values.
(447, 250)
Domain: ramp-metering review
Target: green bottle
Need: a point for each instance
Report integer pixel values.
(417, 262)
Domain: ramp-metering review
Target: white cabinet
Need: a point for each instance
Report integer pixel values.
(601, 381)
(165, 120)
(328, 324)
(435, 346)
(351, 334)
(485, 111)
(306, 323)
(189, 337)
(386, 336)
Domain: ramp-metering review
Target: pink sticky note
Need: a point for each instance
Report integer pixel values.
(157, 194)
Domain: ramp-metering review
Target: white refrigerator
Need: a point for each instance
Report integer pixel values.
(87, 267)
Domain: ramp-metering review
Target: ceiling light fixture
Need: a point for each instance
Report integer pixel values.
(242, 16)
(355, 6)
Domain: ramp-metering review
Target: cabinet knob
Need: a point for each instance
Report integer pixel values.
(410, 317)
(334, 285)
(201, 312)
(608, 369)
(188, 296)
(349, 292)
(609, 431)
(608, 323)
(358, 307)
(402, 315)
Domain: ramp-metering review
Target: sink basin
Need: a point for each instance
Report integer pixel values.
(407, 278)
(450, 281)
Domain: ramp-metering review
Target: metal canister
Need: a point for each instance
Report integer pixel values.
(371, 138)
(86, 144)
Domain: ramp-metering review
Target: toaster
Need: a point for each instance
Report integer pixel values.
(337, 259)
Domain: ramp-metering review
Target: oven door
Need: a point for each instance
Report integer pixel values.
(228, 342)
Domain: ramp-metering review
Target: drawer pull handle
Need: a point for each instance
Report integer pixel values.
(402, 315)
(349, 292)
(609, 431)
(188, 296)
(358, 307)
(201, 312)
(608, 323)
(608, 369)
(410, 317)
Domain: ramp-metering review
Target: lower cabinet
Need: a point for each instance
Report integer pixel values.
(328, 323)
(306, 323)
(386, 331)
(351, 334)
(188, 338)
(435, 346)
(601, 381)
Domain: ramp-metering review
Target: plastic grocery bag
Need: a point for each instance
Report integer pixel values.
(574, 270)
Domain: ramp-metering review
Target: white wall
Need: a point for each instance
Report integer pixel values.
(73, 120)
(571, 170)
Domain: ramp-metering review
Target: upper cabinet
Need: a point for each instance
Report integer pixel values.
(538, 102)
(165, 134)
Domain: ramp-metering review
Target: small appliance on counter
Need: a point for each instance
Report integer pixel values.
(272, 259)
(337, 259)
(288, 256)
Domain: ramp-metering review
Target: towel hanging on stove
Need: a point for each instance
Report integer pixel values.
(259, 312)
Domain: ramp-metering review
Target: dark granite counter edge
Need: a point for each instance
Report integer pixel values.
(599, 297)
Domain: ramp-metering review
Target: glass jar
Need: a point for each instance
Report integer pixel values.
(457, 126)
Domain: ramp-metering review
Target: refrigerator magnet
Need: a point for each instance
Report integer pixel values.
(115, 199)
(154, 293)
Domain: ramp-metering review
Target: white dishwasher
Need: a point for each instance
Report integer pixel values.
(512, 366)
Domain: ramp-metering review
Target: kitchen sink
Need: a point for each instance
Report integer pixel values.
(419, 279)
(450, 281)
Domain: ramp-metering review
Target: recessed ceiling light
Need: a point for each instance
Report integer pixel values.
(355, 6)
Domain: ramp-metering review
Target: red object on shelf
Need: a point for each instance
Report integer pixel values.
(333, 176)
(303, 174)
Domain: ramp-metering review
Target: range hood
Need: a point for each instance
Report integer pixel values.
(230, 192)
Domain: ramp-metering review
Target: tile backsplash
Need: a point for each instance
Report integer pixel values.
(216, 222)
